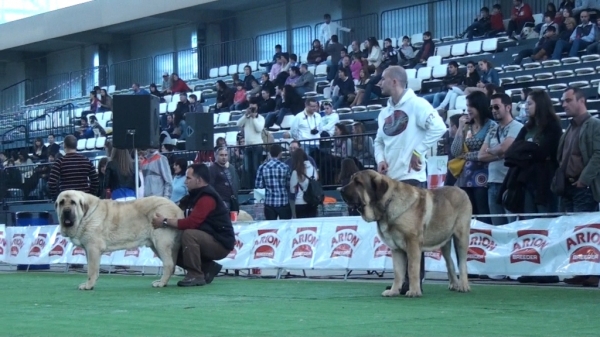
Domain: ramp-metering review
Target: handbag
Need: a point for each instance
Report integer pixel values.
(456, 165)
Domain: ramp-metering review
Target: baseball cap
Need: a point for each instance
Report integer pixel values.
(165, 74)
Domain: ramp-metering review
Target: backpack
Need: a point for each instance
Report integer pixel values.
(313, 195)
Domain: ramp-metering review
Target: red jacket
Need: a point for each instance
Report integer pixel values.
(180, 86)
(523, 15)
(497, 21)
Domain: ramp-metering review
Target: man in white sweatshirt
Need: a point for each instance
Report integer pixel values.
(253, 125)
(407, 128)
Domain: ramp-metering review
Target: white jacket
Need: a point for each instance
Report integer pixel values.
(298, 187)
(411, 125)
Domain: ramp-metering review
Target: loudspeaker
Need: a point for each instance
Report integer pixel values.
(200, 132)
(136, 121)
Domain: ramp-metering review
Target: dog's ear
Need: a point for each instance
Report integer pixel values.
(84, 206)
(379, 186)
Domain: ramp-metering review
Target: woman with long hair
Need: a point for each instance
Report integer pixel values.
(302, 170)
(363, 79)
(472, 129)
(39, 152)
(374, 54)
(471, 80)
(348, 169)
(362, 145)
(179, 188)
(101, 178)
(120, 175)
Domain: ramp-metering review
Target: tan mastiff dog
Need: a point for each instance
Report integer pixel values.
(100, 226)
(411, 220)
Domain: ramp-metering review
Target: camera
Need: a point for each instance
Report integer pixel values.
(314, 131)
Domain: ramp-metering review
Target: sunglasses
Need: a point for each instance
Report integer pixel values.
(495, 107)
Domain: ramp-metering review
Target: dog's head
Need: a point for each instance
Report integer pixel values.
(71, 206)
(365, 192)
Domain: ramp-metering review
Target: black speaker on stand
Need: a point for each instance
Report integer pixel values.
(136, 122)
(200, 132)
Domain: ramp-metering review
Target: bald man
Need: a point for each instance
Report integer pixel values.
(408, 128)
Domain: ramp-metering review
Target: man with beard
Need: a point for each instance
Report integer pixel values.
(408, 127)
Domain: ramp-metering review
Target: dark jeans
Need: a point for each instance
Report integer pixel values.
(419, 184)
(371, 88)
(276, 117)
(479, 201)
(283, 212)
(306, 211)
(578, 199)
(477, 29)
(252, 160)
(198, 250)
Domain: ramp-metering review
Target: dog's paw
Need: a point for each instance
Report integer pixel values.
(413, 293)
(453, 286)
(158, 284)
(86, 286)
(463, 288)
(390, 293)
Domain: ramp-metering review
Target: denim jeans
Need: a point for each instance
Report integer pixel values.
(578, 199)
(252, 160)
(436, 98)
(495, 207)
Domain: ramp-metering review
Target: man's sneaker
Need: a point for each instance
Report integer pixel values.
(211, 271)
(191, 282)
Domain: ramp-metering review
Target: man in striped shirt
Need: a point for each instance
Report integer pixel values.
(72, 172)
(274, 177)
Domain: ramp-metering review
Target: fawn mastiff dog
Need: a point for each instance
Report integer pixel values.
(411, 220)
(100, 226)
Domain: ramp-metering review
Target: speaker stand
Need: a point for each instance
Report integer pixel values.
(137, 162)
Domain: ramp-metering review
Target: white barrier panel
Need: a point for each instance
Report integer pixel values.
(568, 245)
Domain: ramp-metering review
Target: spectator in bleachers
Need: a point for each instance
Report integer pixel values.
(291, 104)
(343, 53)
(154, 91)
(344, 92)
(120, 176)
(372, 88)
(274, 177)
(268, 65)
(293, 77)
(178, 85)
(294, 60)
(543, 48)
(316, 55)
(305, 125)
(406, 50)
(564, 35)
(426, 51)
(139, 91)
(183, 106)
(302, 171)
(481, 25)
(102, 178)
(23, 158)
(565, 13)
(584, 5)
(374, 54)
(329, 119)
(169, 127)
(453, 79)
(255, 91)
(356, 66)
(390, 54)
(363, 79)
(532, 159)
(281, 66)
(362, 145)
(253, 125)
(195, 106)
(267, 84)
(306, 82)
(85, 130)
(470, 80)
(166, 84)
(487, 75)
(328, 29)
(470, 136)
(570, 4)
(266, 103)
(72, 172)
(224, 179)
(355, 50)
(550, 12)
(156, 170)
(235, 81)
(594, 47)
(497, 21)
(39, 151)
(578, 156)
(94, 103)
(520, 14)
(334, 49)
(179, 188)
(496, 143)
(580, 39)
(53, 148)
(224, 97)
(239, 99)
(106, 101)
(248, 78)
(522, 115)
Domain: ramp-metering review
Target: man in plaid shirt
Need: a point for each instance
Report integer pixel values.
(274, 177)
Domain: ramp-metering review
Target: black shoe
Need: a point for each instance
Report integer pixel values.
(191, 282)
(211, 271)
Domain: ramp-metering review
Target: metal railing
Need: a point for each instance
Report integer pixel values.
(225, 53)
(13, 97)
(301, 42)
(363, 27)
(123, 74)
(414, 19)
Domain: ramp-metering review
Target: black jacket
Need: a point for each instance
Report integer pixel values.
(218, 222)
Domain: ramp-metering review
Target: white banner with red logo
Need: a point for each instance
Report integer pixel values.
(568, 245)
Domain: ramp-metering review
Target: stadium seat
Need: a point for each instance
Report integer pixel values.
(459, 49)
(411, 73)
(414, 84)
(231, 138)
(240, 68)
(461, 103)
(90, 144)
(590, 58)
(213, 73)
(444, 51)
(223, 71)
(474, 47)
(287, 122)
(253, 65)
(440, 71)
(550, 63)
(321, 70)
(171, 107)
(233, 69)
(489, 45)
(162, 108)
(433, 61)
(223, 118)
(100, 141)
(417, 40)
(424, 73)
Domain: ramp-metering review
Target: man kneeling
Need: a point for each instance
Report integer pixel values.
(207, 230)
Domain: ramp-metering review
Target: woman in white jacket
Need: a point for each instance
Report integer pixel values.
(375, 55)
(302, 170)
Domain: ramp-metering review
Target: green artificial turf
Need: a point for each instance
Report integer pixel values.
(48, 304)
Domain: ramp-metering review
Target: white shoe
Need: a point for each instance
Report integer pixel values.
(179, 271)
